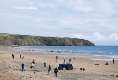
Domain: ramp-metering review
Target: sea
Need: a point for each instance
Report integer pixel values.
(107, 51)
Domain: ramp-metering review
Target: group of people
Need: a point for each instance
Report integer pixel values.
(33, 63)
(108, 63)
(55, 70)
(49, 68)
(21, 57)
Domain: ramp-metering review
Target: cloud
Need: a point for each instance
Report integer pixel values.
(113, 37)
(98, 37)
(78, 36)
(30, 8)
(94, 20)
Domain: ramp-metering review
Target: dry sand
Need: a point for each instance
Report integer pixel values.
(10, 68)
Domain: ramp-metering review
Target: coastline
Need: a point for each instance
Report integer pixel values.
(11, 67)
(105, 56)
(107, 51)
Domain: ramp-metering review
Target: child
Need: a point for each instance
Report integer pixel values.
(44, 64)
(32, 64)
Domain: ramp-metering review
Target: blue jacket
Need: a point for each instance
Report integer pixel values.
(55, 70)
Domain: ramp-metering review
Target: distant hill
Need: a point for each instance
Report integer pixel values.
(28, 40)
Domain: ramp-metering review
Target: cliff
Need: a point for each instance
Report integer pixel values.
(27, 40)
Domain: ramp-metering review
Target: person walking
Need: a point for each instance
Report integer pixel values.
(22, 67)
(12, 56)
(56, 71)
(49, 69)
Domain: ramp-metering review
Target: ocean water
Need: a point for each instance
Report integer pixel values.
(108, 51)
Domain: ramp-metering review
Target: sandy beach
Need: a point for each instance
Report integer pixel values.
(10, 69)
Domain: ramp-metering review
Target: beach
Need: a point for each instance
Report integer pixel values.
(95, 68)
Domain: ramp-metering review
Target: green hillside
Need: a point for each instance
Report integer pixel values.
(28, 40)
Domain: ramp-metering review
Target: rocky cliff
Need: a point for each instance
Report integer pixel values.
(27, 40)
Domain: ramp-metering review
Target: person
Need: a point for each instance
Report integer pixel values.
(44, 64)
(33, 61)
(69, 61)
(23, 57)
(22, 67)
(20, 56)
(12, 56)
(49, 69)
(32, 64)
(113, 61)
(56, 71)
(107, 63)
(56, 58)
(64, 61)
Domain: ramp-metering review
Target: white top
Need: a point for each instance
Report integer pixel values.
(32, 64)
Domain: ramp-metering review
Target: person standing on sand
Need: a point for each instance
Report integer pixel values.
(69, 61)
(64, 61)
(113, 61)
(56, 58)
(20, 56)
(12, 56)
(49, 69)
(22, 67)
(56, 71)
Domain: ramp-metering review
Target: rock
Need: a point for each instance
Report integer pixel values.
(96, 64)
(82, 69)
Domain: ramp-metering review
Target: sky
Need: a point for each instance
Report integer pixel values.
(93, 20)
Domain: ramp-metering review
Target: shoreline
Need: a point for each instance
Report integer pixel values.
(105, 57)
(11, 67)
